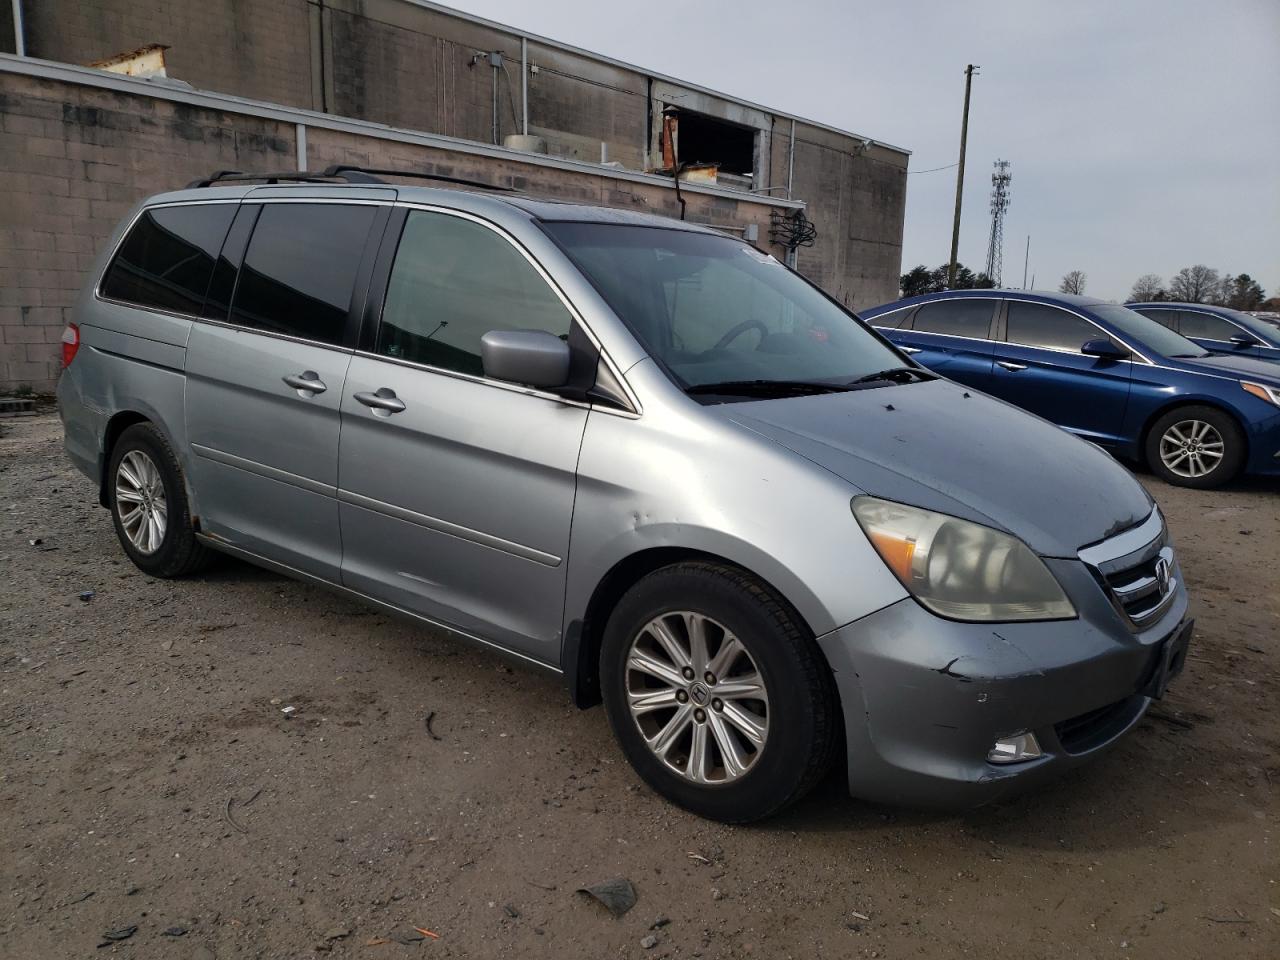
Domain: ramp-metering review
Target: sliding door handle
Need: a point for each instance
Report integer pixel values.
(383, 401)
(1011, 366)
(909, 350)
(307, 384)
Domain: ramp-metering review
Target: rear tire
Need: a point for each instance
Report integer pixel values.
(768, 724)
(1196, 446)
(148, 503)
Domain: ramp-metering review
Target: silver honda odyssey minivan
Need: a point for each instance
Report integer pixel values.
(634, 451)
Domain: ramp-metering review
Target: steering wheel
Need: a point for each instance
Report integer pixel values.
(739, 330)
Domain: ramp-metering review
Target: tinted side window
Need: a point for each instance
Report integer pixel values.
(1040, 325)
(1166, 318)
(300, 269)
(959, 318)
(167, 259)
(1206, 326)
(892, 320)
(453, 281)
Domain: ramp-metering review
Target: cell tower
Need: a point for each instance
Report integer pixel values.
(1000, 181)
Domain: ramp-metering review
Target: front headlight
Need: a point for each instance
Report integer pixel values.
(1262, 391)
(959, 569)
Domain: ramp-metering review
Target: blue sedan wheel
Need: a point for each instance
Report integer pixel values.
(1195, 447)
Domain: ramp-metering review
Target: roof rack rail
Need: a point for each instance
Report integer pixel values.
(343, 173)
(354, 174)
(291, 176)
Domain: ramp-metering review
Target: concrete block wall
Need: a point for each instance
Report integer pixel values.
(74, 159)
(408, 65)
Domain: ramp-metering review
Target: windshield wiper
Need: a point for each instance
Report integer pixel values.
(895, 375)
(767, 388)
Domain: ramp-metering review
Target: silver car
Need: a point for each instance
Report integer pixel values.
(636, 452)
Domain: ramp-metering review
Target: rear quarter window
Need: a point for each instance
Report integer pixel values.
(166, 260)
(957, 318)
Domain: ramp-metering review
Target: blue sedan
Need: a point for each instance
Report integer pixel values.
(1102, 372)
(1217, 329)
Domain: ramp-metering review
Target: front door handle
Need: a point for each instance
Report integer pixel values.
(308, 384)
(1011, 366)
(909, 349)
(382, 401)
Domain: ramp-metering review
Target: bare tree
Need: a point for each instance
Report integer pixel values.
(1073, 282)
(1197, 284)
(1149, 286)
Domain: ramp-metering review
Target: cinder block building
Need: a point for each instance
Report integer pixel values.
(287, 84)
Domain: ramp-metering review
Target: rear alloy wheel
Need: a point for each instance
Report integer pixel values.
(1195, 447)
(148, 502)
(717, 692)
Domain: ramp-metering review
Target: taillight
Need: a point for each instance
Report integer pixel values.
(70, 344)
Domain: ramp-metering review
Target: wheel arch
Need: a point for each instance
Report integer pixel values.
(580, 658)
(117, 425)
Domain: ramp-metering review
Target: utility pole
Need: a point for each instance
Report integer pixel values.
(969, 71)
(1026, 260)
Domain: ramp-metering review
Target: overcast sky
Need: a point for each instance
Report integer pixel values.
(1144, 134)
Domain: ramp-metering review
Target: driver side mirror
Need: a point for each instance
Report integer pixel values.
(535, 358)
(1104, 350)
(1242, 341)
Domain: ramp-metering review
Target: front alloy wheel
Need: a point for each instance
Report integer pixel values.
(717, 691)
(1196, 446)
(1191, 448)
(697, 697)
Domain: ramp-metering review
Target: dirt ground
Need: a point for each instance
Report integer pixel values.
(149, 779)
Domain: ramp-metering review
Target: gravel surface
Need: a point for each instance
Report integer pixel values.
(151, 778)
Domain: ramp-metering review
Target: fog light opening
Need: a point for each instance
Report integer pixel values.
(1015, 749)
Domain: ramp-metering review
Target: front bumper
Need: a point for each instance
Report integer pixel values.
(924, 699)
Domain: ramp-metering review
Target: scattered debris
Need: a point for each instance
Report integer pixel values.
(431, 733)
(1227, 919)
(649, 942)
(337, 933)
(376, 941)
(858, 916)
(87, 595)
(226, 815)
(1160, 907)
(80, 899)
(427, 933)
(698, 857)
(166, 644)
(115, 936)
(174, 932)
(510, 911)
(407, 939)
(289, 711)
(660, 923)
(1170, 719)
(717, 893)
(36, 541)
(617, 895)
(540, 886)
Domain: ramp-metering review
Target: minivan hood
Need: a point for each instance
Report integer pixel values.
(944, 447)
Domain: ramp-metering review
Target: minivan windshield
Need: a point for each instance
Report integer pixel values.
(1130, 323)
(715, 311)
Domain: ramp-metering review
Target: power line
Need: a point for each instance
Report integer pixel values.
(935, 169)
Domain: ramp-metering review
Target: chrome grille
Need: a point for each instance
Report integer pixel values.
(1137, 570)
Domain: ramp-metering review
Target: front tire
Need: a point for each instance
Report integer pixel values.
(717, 693)
(148, 503)
(1196, 446)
